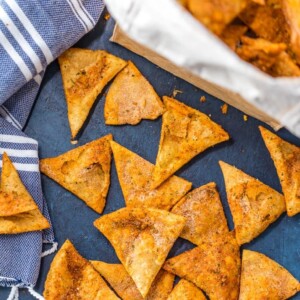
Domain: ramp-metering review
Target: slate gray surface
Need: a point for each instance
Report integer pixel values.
(72, 219)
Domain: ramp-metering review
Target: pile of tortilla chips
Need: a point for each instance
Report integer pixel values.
(265, 33)
(160, 207)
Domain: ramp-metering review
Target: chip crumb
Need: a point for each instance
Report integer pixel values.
(74, 142)
(202, 99)
(106, 16)
(224, 109)
(175, 92)
(245, 117)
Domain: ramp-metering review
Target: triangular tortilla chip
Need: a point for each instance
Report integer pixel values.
(122, 283)
(18, 211)
(263, 278)
(185, 133)
(14, 193)
(232, 35)
(286, 158)
(142, 239)
(131, 98)
(85, 73)
(214, 266)
(84, 171)
(72, 277)
(204, 214)
(185, 290)
(254, 205)
(215, 14)
(135, 175)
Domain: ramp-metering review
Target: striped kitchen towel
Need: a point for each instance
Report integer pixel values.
(32, 34)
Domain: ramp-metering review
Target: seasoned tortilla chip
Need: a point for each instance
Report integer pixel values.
(261, 53)
(215, 14)
(232, 34)
(185, 290)
(267, 21)
(214, 266)
(85, 73)
(73, 277)
(291, 10)
(84, 171)
(31, 220)
(286, 158)
(131, 98)
(135, 175)
(14, 198)
(122, 283)
(204, 214)
(254, 205)
(18, 211)
(142, 239)
(185, 133)
(263, 278)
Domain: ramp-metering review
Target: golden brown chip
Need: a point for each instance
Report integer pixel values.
(131, 98)
(203, 211)
(185, 290)
(286, 158)
(214, 266)
(142, 239)
(84, 171)
(263, 278)
(135, 175)
(261, 53)
(73, 277)
(254, 205)
(14, 197)
(122, 283)
(85, 73)
(291, 10)
(185, 133)
(267, 21)
(215, 14)
(18, 211)
(232, 34)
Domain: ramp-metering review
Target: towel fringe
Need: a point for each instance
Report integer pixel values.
(14, 293)
(34, 294)
(51, 250)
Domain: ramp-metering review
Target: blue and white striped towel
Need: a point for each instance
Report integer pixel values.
(32, 34)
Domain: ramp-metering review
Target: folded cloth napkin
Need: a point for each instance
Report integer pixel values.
(32, 34)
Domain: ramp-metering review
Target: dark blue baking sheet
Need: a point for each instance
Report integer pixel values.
(73, 220)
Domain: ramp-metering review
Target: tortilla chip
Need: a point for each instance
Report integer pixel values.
(84, 171)
(259, 52)
(267, 22)
(204, 214)
(18, 211)
(291, 10)
(232, 34)
(185, 290)
(216, 14)
(142, 239)
(254, 205)
(122, 283)
(286, 158)
(14, 198)
(263, 278)
(135, 175)
(131, 98)
(185, 133)
(284, 66)
(213, 266)
(72, 277)
(31, 220)
(85, 73)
